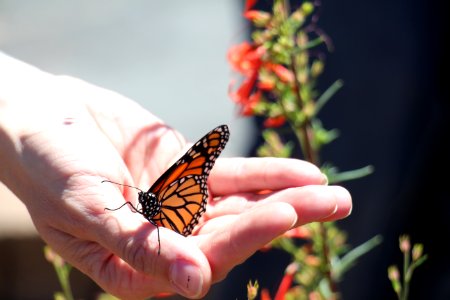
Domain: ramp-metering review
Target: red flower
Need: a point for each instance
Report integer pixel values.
(242, 94)
(245, 58)
(301, 232)
(245, 95)
(248, 108)
(274, 122)
(265, 295)
(249, 4)
(286, 282)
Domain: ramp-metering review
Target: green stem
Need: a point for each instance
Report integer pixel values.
(311, 44)
(327, 261)
(287, 8)
(406, 275)
(303, 131)
(63, 277)
(323, 99)
(305, 136)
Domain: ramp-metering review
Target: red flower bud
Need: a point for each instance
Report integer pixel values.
(257, 16)
(282, 72)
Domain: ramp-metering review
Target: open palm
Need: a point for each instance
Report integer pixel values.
(76, 135)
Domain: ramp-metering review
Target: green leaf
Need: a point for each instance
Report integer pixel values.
(323, 136)
(419, 261)
(340, 266)
(326, 96)
(334, 176)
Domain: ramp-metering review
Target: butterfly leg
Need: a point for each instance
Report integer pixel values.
(157, 229)
(159, 241)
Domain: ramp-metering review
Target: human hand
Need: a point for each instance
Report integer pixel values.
(61, 137)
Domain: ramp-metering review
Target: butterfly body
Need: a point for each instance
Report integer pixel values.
(178, 198)
(150, 206)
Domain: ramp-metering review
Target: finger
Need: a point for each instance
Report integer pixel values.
(110, 272)
(344, 204)
(235, 175)
(311, 203)
(244, 235)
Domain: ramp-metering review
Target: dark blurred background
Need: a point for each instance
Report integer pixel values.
(392, 113)
(392, 55)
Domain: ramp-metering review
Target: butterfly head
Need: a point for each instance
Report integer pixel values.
(150, 204)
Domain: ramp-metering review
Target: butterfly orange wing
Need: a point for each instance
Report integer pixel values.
(182, 190)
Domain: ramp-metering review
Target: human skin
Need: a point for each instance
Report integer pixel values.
(61, 136)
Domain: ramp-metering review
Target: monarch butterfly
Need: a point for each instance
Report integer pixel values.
(178, 198)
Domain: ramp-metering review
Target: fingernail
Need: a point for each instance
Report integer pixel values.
(186, 278)
(343, 201)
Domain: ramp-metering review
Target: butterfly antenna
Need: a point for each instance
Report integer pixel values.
(130, 186)
(129, 203)
(126, 203)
